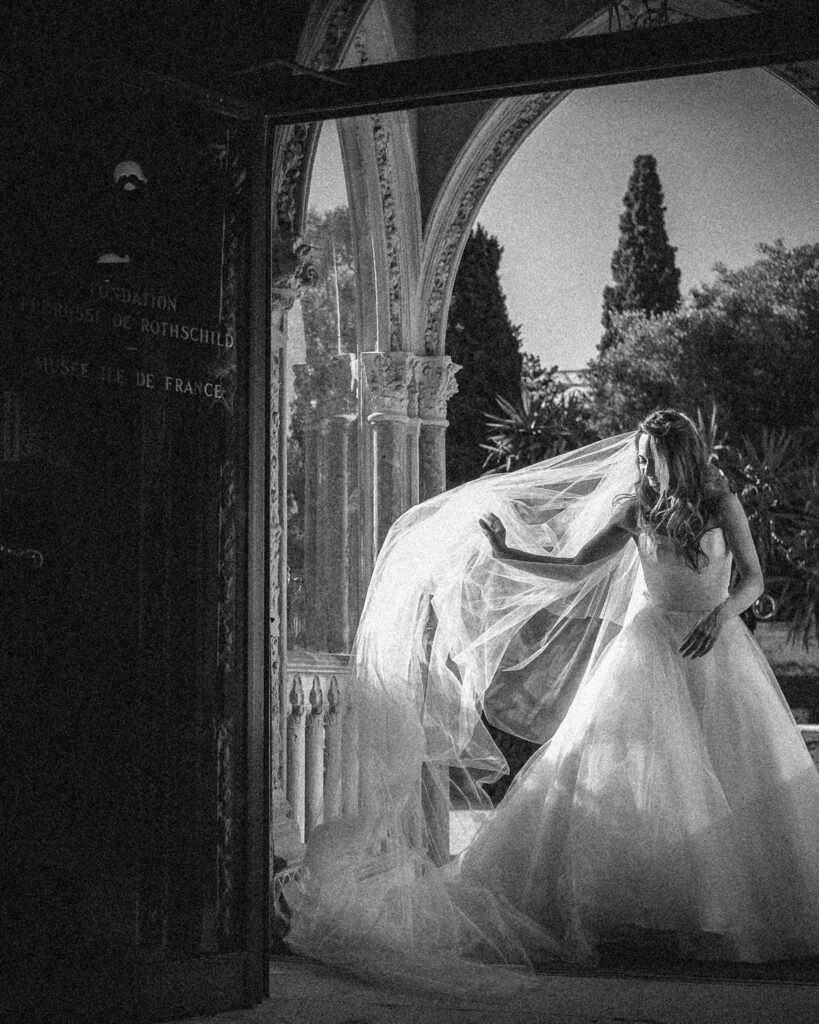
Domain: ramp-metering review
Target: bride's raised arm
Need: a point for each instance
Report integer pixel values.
(612, 538)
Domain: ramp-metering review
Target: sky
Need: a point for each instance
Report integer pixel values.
(738, 159)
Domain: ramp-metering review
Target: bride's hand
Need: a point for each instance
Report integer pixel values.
(495, 531)
(703, 636)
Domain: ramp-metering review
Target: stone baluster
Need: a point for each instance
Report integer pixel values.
(314, 760)
(333, 779)
(296, 753)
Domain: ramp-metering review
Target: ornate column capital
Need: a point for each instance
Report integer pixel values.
(435, 380)
(388, 376)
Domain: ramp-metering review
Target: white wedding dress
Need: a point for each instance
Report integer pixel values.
(676, 797)
(674, 800)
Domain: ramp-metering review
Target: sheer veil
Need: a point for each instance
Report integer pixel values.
(449, 631)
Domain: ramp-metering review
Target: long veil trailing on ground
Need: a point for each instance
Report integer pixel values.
(450, 631)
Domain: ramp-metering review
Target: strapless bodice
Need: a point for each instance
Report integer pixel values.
(671, 583)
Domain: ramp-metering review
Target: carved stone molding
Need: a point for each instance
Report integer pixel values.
(627, 15)
(225, 836)
(336, 28)
(451, 243)
(384, 162)
(388, 376)
(360, 49)
(323, 46)
(436, 384)
(299, 142)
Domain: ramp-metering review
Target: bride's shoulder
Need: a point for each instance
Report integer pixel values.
(716, 480)
(717, 487)
(720, 498)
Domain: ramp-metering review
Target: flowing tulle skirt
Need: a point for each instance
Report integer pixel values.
(677, 799)
(677, 803)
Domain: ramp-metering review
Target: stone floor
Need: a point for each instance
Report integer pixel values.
(303, 992)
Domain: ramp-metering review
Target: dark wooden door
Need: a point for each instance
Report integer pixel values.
(133, 394)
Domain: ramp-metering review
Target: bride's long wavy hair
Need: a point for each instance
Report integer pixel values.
(680, 498)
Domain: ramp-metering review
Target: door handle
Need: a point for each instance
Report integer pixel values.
(28, 557)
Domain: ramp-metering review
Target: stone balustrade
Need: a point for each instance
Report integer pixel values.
(322, 779)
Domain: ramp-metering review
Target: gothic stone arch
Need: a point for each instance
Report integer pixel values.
(496, 137)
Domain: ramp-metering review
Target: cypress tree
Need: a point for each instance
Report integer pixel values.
(645, 274)
(481, 338)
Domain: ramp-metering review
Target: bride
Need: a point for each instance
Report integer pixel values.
(672, 802)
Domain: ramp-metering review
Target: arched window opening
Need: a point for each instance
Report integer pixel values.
(323, 523)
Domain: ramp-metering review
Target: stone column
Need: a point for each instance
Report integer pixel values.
(339, 472)
(387, 376)
(435, 380)
(315, 625)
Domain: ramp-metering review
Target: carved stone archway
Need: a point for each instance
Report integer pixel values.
(505, 126)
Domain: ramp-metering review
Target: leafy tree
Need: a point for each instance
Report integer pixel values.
(481, 338)
(745, 342)
(640, 373)
(646, 278)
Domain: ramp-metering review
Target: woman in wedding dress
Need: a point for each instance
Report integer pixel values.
(673, 800)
